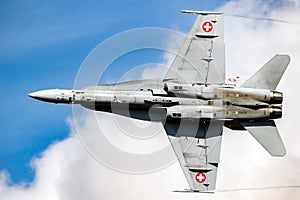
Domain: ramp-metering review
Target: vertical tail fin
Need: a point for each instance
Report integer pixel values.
(270, 74)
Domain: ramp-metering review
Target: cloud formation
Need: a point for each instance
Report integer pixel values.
(66, 170)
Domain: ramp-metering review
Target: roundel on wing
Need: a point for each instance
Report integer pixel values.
(200, 177)
(207, 26)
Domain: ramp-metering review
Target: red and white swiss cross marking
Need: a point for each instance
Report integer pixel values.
(200, 177)
(232, 80)
(207, 26)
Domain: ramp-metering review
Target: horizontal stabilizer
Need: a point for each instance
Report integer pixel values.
(270, 74)
(266, 133)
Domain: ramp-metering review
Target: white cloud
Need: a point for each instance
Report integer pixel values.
(159, 71)
(67, 171)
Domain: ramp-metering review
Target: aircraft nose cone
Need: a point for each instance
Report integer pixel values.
(44, 95)
(32, 94)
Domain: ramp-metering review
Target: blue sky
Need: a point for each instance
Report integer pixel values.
(42, 46)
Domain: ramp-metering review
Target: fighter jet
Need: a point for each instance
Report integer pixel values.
(194, 103)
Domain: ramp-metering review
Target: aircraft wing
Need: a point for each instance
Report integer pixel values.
(198, 157)
(201, 58)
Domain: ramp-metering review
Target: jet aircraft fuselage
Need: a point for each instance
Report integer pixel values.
(154, 100)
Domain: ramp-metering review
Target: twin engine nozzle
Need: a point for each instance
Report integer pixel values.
(277, 98)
